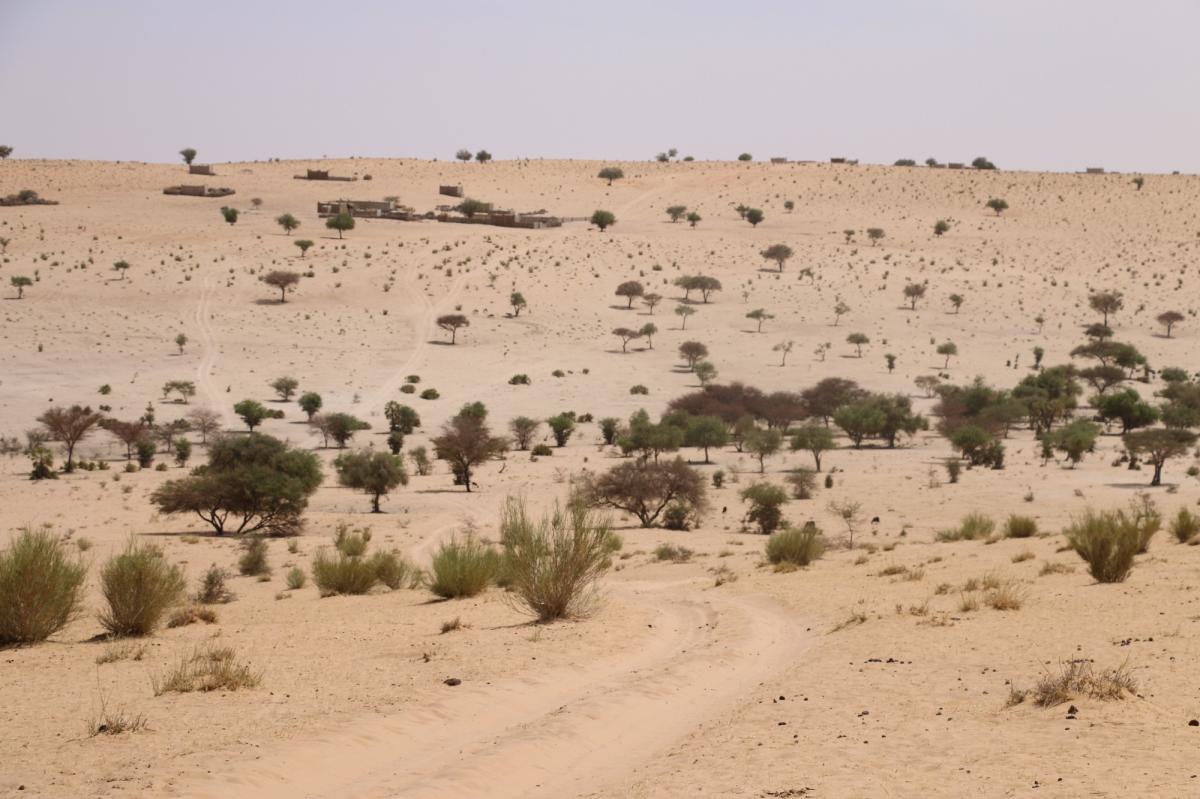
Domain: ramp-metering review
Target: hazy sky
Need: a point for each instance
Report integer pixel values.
(1034, 84)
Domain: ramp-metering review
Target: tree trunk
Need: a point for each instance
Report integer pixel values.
(1157, 479)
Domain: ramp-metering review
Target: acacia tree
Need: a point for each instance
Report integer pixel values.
(561, 427)
(5, 151)
(463, 155)
(914, 292)
(523, 430)
(949, 349)
(204, 421)
(754, 216)
(647, 331)
(815, 439)
(483, 156)
(303, 244)
(956, 300)
(875, 234)
(375, 473)
(645, 489)
(518, 303)
(692, 352)
(760, 315)
(839, 310)
(611, 173)
(784, 347)
(466, 442)
(683, 312)
(310, 402)
(189, 155)
(997, 205)
(285, 387)
(603, 219)
(282, 280)
(650, 300)
(1169, 319)
(858, 340)
(250, 483)
(181, 340)
(779, 253)
(230, 214)
(20, 283)
(1107, 302)
(340, 222)
(676, 212)
(693, 218)
(630, 290)
(1158, 446)
(252, 412)
(941, 226)
(121, 267)
(451, 323)
(626, 335)
(288, 223)
(128, 433)
(70, 426)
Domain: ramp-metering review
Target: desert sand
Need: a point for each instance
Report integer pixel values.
(858, 675)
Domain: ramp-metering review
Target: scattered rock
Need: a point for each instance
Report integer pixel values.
(453, 681)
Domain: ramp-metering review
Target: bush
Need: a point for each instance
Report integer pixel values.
(766, 503)
(1107, 541)
(678, 516)
(542, 451)
(1079, 679)
(430, 394)
(973, 525)
(254, 557)
(520, 380)
(342, 574)
(803, 482)
(296, 578)
(212, 588)
(394, 571)
(1020, 527)
(41, 588)
(408, 388)
(798, 547)
(552, 564)
(675, 554)
(208, 668)
(639, 389)
(463, 567)
(138, 586)
(1185, 525)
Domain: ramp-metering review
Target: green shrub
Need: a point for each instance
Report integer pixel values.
(212, 588)
(463, 567)
(394, 571)
(1185, 525)
(296, 578)
(341, 574)
(254, 557)
(552, 564)
(430, 394)
(408, 388)
(1107, 541)
(795, 546)
(41, 588)
(678, 516)
(541, 451)
(1020, 527)
(766, 503)
(138, 586)
(973, 525)
(351, 544)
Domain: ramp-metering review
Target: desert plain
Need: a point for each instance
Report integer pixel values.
(903, 664)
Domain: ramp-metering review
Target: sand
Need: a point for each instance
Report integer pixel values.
(677, 685)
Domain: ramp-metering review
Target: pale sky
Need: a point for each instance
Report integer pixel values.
(1031, 84)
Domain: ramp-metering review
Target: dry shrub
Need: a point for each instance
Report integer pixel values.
(114, 722)
(253, 561)
(212, 590)
(394, 571)
(973, 525)
(855, 618)
(1008, 595)
(673, 553)
(797, 547)
(138, 586)
(1108, 541)
(1020, 527)
(1055, 567)
(552, 564)
(340, 574)
(207, 668)
(41, 588)
(121, 650)
(1077, 679)
(463, 567)
(296, 578)
(192, 614)
(1185, 525)
(452, 625)
(1022, 556)
(967, 603)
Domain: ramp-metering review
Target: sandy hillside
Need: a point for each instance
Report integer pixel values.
(866, 673)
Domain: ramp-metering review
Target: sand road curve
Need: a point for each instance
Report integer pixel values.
(564, 733)
(208, 350)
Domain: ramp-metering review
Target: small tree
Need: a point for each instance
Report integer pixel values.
(759, 315)
(626, 335)
(630, 290)
(303, 244)
(1139, 181)
(561, 427)
(839, 310)
(285, 387)
(282, 280)
(875, 234)
(180, 341)
(754, 216)
(997, 205)
(779, 253)
(189, 155)
(849, 234)
(789, 205)
(1158, 446)
(705, 372)
(693, 218)
(603, 219)
(470, 207)
(340, 222)
(1169, 319)
(766, 502)
(692, 352)
(483, 156)
(401, 418)
(466, 442)
(310, 402)
(956, 300)
(815, 439)
(374, 473)
(341, 427)
(288, 223)
(858, 340)
(70, 426)
(451, 323)
(523, 430)
(611, 173)
(205, 422)
(941, 226)
(745, 157)
(785, 349)
(230, 214)
(1106, 303)
(645, 489)
(1075, 439)
(518, 303)
(762, 444)
(463, 155)
(20, 283)
(683, 312)
(121, 267)
(676, 212)
(890, 360)
(650, 300)
(5, 152)
(252, 413)
(914, 292)
(949, 349)
(647, 331)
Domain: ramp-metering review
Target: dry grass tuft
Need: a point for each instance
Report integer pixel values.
(1023, 556)
(208, 668)
(973, 526)
(1077, 679)
(191, 614)
(454, 624)
(1055, 567)
(855, 618)
(121, 650)
(673, 553)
